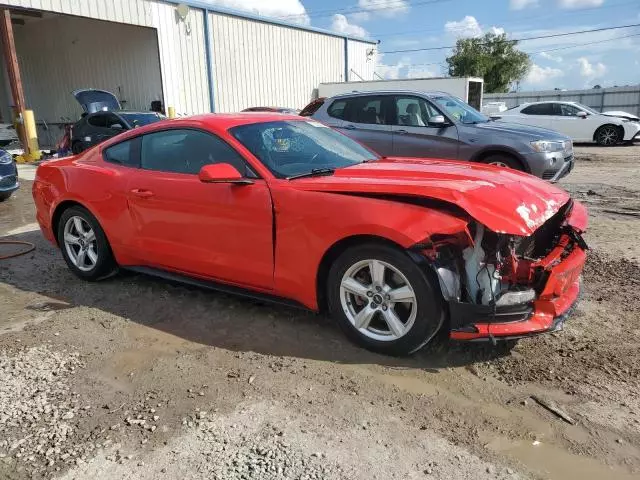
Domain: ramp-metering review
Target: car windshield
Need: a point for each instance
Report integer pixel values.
(456, 108)
(290, 148)
(141, 119)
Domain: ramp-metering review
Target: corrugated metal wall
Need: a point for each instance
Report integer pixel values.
(362, 60)
(601, 99)
(181, 44)
(261, 64)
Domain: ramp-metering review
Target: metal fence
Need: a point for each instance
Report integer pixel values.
(601, 99)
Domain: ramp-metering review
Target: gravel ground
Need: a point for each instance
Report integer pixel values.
(140, 379)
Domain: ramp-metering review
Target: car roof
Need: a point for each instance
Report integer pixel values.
(216, 122)
(431, 93)
(548, 101)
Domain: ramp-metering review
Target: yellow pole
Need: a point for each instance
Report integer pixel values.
(32, 150)
(172, 112)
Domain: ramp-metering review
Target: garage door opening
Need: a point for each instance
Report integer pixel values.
(58, 54)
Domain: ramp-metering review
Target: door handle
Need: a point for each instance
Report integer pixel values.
(350, 127)
(142, 193)
(401, 132)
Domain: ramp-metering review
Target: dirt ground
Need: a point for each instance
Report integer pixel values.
(138, 378)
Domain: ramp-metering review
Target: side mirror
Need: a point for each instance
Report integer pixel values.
(222, 173)
(116, 126)
(582, 114)
(437, 121)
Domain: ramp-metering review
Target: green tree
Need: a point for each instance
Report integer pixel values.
(493, 57)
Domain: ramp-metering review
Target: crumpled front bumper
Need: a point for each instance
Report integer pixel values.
(553, 304)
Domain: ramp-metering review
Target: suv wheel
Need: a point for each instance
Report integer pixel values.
(504, 161)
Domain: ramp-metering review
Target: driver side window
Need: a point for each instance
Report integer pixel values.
(186, 151)
(414, 111)
(568, 110)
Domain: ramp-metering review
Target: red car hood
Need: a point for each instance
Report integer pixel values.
(503, 200)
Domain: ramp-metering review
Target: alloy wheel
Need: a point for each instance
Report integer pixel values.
(378, 300)
(80, 243)
(608, 136)
(499, 164)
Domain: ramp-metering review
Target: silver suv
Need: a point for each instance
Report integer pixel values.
(438, 125)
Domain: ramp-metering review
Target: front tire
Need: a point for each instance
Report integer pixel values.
(504, 161)
(382, 300)
(84, 245)
(608, 135)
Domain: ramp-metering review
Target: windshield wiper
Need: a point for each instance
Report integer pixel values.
(316, 172)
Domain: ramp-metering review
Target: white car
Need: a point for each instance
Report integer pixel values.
(575, 120)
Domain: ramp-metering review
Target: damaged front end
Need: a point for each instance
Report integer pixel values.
(501, 286)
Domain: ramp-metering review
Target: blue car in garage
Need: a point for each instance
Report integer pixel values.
(8, 175)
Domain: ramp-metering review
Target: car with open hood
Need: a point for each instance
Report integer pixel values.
(436, 124)
(104, 118)
(581, 123)
(287, 209)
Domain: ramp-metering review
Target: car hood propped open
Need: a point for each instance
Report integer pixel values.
(93, 100)
(505, 201)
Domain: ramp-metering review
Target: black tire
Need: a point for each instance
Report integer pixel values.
(503, 160)
(5, 196)
(105, 264)
(608, 135)
(76, 148)
(430, 312)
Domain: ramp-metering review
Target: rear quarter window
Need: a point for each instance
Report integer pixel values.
(123, 153)
(312, 107)
(337, 109)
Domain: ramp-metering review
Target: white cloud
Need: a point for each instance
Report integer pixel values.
(424, 71)
(553, 58)
(289, 10)
(543, 75)
(386, 8)
(522, 4)
(340, 24)
(591, 71)
(467, 27)
(574, 4)
(391, 72)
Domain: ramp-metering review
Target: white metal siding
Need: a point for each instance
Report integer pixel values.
(360, 61)
(262, 64)
(181, 45)
(60, 54)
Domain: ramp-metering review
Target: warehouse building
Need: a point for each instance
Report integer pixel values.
(190, 55)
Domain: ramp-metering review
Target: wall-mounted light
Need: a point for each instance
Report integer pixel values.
(182, 12)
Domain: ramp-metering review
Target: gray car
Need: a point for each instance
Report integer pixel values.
(438, 125)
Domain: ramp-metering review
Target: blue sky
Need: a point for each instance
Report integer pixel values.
(564, 62)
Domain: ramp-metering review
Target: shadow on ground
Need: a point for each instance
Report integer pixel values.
(213, 318)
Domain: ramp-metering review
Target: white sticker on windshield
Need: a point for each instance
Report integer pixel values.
(317, 124)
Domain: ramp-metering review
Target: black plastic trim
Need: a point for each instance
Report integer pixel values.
(211, 285)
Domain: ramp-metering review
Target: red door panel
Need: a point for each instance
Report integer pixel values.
(220, 231)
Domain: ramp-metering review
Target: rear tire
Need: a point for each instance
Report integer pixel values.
(608, 135)
(5, 196)
(76, 148)
(504, 161)
(84, 245)
(398, 310)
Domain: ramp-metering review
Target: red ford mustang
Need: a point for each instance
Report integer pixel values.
(285, 208)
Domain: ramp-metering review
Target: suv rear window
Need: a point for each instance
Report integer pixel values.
(312, 107)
